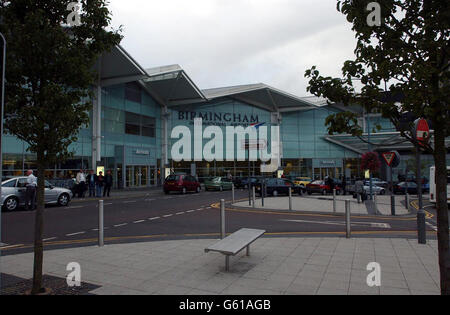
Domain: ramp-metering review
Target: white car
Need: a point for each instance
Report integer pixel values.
(376, 190)
(14, 194)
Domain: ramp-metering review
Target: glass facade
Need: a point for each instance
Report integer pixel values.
(131, 144)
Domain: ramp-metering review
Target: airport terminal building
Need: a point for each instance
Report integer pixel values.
(135, 110)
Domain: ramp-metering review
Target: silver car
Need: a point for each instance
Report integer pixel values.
(375, 189)
(14, 194)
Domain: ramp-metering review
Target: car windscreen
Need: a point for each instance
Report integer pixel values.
(11, 183)
(172, 178)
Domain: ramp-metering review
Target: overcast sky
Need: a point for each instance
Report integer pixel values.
(232, 42)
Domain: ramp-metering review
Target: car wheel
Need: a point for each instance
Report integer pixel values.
(310, 193)
(63, 200)
(11, 204)
(324, 192)
(275, 193)
(382, 192)
(166, 192)
(338, 192)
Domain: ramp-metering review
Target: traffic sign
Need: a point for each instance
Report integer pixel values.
(389, 157)
(422, 132)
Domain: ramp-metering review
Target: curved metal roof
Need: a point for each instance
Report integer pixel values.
(261, 95)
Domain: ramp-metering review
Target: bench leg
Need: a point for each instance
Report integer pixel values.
(248, 250)
(227, 263)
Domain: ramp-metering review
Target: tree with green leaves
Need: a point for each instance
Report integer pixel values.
(49, 81)
(407, 52)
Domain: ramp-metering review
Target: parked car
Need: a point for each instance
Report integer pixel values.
(218, 183)
(302, 181)
(242, 182)
(319, 186)
(181, 184)
(14, 194)
(377, 182)
(400, 188)
(277, 186)
(375, 189)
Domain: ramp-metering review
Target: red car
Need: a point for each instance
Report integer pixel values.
(182, 184)
(319, 186)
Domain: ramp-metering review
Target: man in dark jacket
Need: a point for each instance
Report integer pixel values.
(108, 181)
(91, 180)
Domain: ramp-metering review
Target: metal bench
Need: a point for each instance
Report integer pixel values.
(234, 243)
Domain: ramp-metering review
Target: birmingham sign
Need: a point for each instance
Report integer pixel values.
(214, 149)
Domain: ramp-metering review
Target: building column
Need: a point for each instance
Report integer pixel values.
(165, 141)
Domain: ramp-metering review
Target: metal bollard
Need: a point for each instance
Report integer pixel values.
(334, 201)
(421, 227)
(222, 219)
(347, 218)
(392, 205)
(290, 199)
(262, 194)
(101, 241)
(232, 192)
(253, 197)
(407, 201)
(358, 197)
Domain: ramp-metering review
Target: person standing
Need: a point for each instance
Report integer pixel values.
(81, 183)
(30, 199)
(359, 187)
(99, 184)
(92, 180)
(108, 183)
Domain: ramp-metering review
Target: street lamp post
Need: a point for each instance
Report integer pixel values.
(1, 128)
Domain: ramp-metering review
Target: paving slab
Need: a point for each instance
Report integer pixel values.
(310, 266)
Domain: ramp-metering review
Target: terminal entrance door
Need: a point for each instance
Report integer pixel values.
(322, 173)
(137, 176)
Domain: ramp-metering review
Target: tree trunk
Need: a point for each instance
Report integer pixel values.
(39, 227)
(442, 209)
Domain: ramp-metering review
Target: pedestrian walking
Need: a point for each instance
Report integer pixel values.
(30, 197)
(81, 183)
(99, 184)
(108, 183)
(359, 187)
(92, 180)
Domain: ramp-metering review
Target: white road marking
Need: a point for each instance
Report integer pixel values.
(155, 218)
(167, 215)
(179, 213)
(49, 239)
(200, 209)
(77, 233)
(371, 224)
(75, 207)
(190, 211)
(119, 225)
(140, 221)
